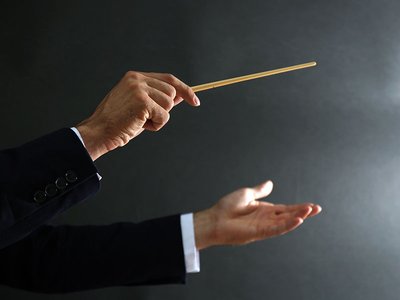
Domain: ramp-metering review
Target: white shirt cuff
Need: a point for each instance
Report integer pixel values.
(80, 138)
(192, 257)
(78, 134)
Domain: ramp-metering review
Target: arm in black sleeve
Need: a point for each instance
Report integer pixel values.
(40, 179)
(73, 258)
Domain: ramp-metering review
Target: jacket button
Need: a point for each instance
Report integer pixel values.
(39, 197)
(51, 190)
(61, 183)
(71, 177)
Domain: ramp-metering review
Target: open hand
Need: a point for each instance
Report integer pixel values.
(239, 218)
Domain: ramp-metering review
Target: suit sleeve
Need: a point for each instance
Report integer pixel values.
(73, 258)
(39, 180)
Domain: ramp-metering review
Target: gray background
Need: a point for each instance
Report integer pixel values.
(327, 134)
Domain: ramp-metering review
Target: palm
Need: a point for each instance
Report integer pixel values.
(241, 219)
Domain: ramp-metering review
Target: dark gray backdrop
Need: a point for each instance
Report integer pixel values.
(328, 134)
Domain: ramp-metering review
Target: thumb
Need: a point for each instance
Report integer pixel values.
(263, 190)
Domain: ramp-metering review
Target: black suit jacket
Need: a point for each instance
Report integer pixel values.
(47, 176)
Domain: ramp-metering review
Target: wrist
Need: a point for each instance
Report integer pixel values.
(204, 229)
(92, 139)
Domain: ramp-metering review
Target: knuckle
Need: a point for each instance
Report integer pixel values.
(140, 100)
(170, 78)
(166, 117)
(133, 84)
(171, 92)
(136, 86)
(169, 105)
(163, 120)
(141, 95)
(142, 86)
(132, 75)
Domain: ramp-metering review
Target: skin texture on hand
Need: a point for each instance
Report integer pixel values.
(140, 101)
(238, 218)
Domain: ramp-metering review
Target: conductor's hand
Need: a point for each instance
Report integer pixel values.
(140, 101)
(239, 218)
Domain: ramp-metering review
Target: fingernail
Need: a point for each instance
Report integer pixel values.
(269, 185)
(196, 100)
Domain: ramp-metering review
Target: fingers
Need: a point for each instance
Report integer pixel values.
(293, 208)
(302, 213)
(162, 86)
(280, 227)
(298, 209)
(166, 91)
(162, 99)
(263, 190)
(138, 101)
(182, 90)
(177, 100)
(161, 95)
(157, 119)
(287, 225)
(316, 209)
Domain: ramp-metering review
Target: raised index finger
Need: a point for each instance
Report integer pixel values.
(182, 89)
